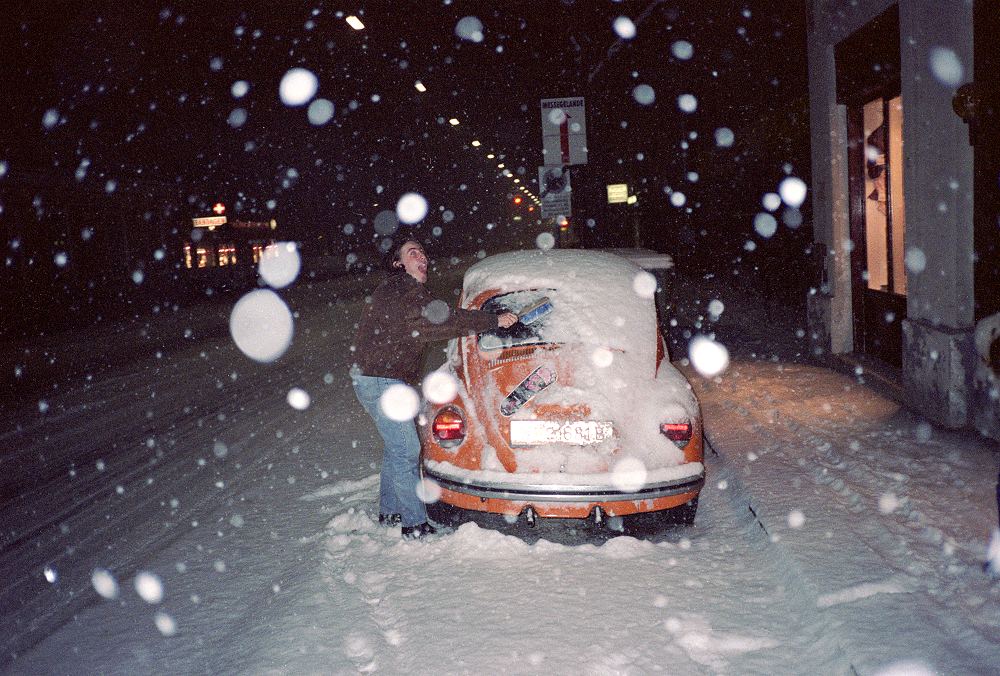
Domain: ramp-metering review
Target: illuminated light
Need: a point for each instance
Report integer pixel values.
(449, 427)
(617, 193)
(517, 199)
(208, 221)
(632, 199)
(355, 23)
(219, 208)
(501, 165)
(420, 86)
(531, 208)
(517, 180)
(453, 121)
(476, 144)
(490, 156)
(676, 431)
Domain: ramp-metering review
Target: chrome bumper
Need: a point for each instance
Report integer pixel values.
(568, 492)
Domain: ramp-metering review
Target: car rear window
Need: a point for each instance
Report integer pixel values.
(518, 334)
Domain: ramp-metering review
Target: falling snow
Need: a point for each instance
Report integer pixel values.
(193, 485)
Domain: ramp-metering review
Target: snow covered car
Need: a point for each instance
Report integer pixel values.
(575, 415)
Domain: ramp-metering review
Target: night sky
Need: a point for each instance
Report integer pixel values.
(120, 121)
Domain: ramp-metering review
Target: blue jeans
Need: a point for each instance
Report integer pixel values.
(400, 460)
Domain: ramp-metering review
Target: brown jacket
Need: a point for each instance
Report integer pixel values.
(401, 317)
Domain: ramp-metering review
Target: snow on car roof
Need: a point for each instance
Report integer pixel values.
(558, 266)
(598, 298)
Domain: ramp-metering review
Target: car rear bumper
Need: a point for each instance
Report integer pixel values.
(578, 493)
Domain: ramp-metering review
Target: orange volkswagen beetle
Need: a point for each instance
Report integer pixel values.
(574, 412)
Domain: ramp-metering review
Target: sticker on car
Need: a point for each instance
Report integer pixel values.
(537, 380)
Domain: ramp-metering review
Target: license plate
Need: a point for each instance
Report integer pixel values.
(579, 433)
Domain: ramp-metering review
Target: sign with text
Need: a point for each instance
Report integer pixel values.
(556, 191)
(209, 221)
(564, 131)
(262, 225)
(617, 193)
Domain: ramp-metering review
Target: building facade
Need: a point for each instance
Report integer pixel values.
(903, 101)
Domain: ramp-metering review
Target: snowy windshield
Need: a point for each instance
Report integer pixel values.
(520, 333)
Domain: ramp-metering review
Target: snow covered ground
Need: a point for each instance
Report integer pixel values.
(231, 532)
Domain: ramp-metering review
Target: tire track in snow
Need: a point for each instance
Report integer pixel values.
(33, 611)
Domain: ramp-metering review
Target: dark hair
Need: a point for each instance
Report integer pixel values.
(401, 239)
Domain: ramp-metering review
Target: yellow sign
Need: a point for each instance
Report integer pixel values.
(617, 193)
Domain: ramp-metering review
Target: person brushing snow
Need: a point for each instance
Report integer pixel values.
(399, 319)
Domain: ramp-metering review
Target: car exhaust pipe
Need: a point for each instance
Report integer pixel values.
(598, 516)
(529, 516)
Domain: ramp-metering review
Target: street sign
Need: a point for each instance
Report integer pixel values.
(617, 193)
(208, 221)
(556, 191)
(564, 131)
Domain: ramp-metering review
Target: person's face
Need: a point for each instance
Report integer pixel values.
(414, 261)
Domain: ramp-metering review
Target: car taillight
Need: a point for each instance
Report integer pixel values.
(448, 427)
(679, 433)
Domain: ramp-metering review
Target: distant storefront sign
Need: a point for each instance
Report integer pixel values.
(215, 221)
(208, 221)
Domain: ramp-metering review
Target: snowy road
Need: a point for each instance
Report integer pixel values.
(255, 519)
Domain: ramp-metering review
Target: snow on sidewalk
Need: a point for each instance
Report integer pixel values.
(883, 518)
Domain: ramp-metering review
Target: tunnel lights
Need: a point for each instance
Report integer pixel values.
(355, 23)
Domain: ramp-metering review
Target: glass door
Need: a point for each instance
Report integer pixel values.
(878, 226)
(885, 225)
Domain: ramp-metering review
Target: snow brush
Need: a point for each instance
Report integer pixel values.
(535, 311)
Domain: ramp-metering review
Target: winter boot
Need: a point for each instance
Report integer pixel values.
(420, 530)
(389, 520)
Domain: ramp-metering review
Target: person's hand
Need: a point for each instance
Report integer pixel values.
(507, 320)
